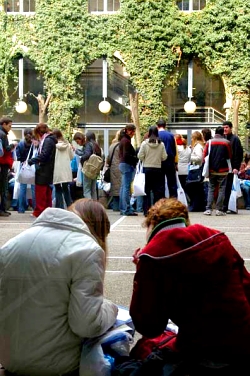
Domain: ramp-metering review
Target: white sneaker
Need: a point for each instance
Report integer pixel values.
(218, 212)
(208, 212)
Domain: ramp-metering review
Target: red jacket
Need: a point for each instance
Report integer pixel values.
(195, 277)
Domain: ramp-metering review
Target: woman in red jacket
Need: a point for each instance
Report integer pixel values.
(192, 275)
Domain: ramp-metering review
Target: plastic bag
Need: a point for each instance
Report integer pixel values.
(139, 181)
(181, 196)
(26, 174)
(235, 193)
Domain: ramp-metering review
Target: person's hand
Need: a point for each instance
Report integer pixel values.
(136, 256)
(30, 162)
(235, 171)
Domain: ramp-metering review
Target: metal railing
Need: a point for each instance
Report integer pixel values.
(201, 115)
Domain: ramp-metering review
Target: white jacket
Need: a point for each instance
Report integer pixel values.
(152, 154)
(51, 295)
(62, 167)
(184, 155)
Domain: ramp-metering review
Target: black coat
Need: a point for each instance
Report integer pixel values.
(45, 161)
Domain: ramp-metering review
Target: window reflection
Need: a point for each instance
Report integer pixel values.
(17, 6)
(188, 5)
(104, 5)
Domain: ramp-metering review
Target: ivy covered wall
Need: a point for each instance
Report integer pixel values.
(62, 39)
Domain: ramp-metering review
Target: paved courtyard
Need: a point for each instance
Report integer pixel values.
(127, 235)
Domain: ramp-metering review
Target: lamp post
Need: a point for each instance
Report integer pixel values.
(190, 106)
(20, 106)
(104, 106)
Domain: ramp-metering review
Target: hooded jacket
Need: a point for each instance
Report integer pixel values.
(152, 154)
(193, 276)
(51, 295)
(62, 167)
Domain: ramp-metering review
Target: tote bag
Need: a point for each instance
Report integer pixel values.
(26, 174)
(205, 171)
(181, 196)
(235, 193)
(139, 181)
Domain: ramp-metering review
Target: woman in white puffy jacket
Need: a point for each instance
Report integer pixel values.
(51, 290)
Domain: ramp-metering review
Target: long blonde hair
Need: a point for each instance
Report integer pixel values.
(94, 215)
(197, 138)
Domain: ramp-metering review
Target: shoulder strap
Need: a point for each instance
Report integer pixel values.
(111, 158)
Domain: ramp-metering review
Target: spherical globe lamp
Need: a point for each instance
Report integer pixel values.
(189, 107)
(21, 107)
(104, 107)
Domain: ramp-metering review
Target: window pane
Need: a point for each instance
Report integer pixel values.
(196, 4)
(29, 5)
(12, 6)
(185, 5)
(113, 5)
(202, 4)
(96, 5)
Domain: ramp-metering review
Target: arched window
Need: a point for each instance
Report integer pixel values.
(104, 6)
(191, 5)
(20, 6)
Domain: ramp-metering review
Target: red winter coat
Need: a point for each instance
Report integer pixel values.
(195, 277)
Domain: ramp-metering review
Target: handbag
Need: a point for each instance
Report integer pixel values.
(205, 171)
(106, 175)
(181, 196)
(195, 174)
(26, 174)
(139, 181)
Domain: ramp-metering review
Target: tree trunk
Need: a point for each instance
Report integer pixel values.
(42, 105)
(236, 105)
(133, 99)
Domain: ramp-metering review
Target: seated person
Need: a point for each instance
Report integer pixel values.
(244, 174)
(52, 290)
(193, 276)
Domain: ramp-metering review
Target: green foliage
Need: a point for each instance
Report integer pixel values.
(62, 39)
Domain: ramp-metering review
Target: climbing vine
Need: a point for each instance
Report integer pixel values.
(62, 39)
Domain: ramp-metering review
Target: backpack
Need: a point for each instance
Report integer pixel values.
(92, 167)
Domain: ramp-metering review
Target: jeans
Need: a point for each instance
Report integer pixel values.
(62, 194)
(128, 173)
(246, 194)
(214, 181)
(89, 188)
(22, 199)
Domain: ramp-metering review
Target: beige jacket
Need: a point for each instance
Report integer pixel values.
(152, 154)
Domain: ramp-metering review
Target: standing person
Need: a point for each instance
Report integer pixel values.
(152, 153)
(115, 173)
(6, 162)
(128, 161)
(193, 276)
(52, 278)
(244, 175)
(170, 165)
(184, 155)
(220, 153)
(62, 170)
(44, 162)
(237, 157)
(23, 150)
(91, 146)
(195, 190)
(207, 135)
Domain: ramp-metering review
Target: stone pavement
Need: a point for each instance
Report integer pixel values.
(127, 235)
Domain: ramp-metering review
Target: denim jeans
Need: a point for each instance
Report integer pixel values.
(22, 199)
(62, 194)
(246, 194)
(128, 173)
(89, 188)
(214, 181)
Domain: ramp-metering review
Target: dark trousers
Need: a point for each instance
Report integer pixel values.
(155, 183)
(3, 186)
(170, 172)
(62, 194)
(229, 183)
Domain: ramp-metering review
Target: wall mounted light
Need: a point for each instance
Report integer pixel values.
(190, 106)
(20, 106)
(104, 106)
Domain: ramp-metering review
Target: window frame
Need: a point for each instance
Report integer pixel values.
(190, 6)
(21, 7)
(105, 8)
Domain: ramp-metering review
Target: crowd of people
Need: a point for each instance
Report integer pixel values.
(52, 274)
